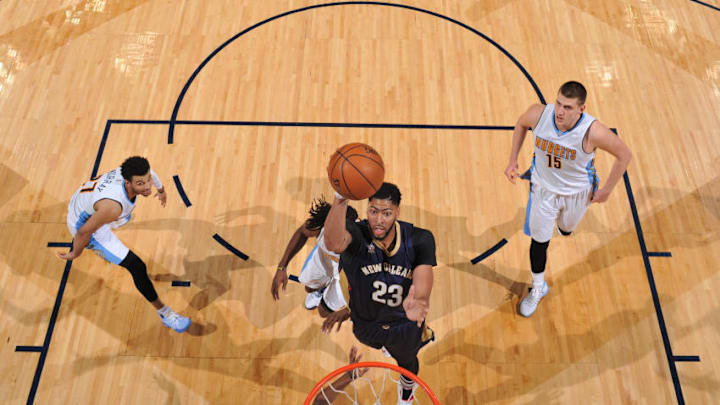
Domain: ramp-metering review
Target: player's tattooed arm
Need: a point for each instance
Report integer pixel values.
(106, 211)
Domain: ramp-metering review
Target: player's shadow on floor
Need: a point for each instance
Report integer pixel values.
(216, 275)
(702, 202)
(83, 299)
(259, 367)
(11, 182)
(211, 275)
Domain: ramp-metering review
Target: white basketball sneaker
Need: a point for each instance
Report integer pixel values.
(530, 302)
(408, 401)
(312, 300)
(177, 322)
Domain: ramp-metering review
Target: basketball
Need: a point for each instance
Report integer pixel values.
(356, 171)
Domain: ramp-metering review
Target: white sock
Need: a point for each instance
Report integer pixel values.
(164, 311)
(538, 279)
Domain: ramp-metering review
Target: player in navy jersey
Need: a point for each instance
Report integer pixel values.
(388, 264)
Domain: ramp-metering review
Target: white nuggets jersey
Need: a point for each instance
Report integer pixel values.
(323, 257)
(560, 165)
(110, 185)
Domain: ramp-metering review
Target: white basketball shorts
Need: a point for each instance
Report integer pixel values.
(545, 208)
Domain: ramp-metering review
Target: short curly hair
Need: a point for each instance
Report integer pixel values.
(134, 166)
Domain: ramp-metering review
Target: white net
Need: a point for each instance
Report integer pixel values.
(359, 386)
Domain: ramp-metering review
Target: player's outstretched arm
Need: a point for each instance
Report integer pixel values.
(337, 238)
(417, 302)
(601, 137)
(106, 211)
(527, 120)
(161, 194)
(297, 241)
(328, 395)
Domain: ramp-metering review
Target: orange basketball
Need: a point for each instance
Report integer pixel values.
(356, 171)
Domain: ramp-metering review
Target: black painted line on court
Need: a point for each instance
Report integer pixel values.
(294, 278)
(180, 283)
(43, 350)
(687, 358)
(319, 124)
(59, 244)
(490, 251)
(706, 5)
(176, 108)
(101, 149)
(181, 190)
(230, 247)
(33, 349)
(659, 254)
(654, 292)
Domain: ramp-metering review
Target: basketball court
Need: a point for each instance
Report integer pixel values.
(238, 106)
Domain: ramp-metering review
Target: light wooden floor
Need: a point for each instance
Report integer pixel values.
(652, 70)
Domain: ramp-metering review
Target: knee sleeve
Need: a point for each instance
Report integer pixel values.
(563, 233)
(138, 271)
(538, 256)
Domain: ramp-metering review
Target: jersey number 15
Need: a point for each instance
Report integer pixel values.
(554, 161)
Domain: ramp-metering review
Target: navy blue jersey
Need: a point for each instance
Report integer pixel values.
(379, 281)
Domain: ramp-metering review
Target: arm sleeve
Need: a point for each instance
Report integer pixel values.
(155, 179)
(424, 243)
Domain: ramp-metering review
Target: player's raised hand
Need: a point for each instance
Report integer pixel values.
(355, 358)
(415, 309)
(281, 278)
(511, 172)
(338, 317)
(162, 196)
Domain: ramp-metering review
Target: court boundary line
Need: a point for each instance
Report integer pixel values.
(45, 348)
(671, 358)
(706, 5)
(181, 190)
(196, 72)
(489, 252)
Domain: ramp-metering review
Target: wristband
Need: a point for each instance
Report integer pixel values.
(340, 196)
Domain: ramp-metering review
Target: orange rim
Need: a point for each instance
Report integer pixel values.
(370, 364)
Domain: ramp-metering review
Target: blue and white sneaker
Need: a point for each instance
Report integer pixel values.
(312, 300)
(530, 302)
(176, 322)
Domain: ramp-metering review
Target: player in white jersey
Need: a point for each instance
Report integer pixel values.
(563, 181)
(319, 273)
(107, 202)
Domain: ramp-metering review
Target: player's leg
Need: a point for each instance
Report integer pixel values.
(542, 212)
(403, 343)
(315, 279)
(572, 213)
(109, 247)
(332, 298)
